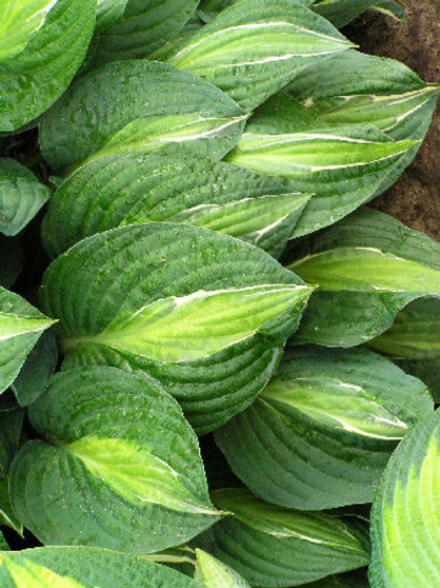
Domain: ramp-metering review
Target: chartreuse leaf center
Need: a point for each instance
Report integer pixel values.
(12, 325)
(367, 269)
(29, 575)
(199, 325)
(19, 21)
(136, 475)
(337, 404)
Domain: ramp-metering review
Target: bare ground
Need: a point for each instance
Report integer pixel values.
(415, 199)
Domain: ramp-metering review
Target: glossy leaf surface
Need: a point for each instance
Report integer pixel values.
(136, 107)
(118, 190)
(322, 431)
(212, 573)
(235, 304)
(134, 476)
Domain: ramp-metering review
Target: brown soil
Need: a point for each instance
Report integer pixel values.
(415, 199)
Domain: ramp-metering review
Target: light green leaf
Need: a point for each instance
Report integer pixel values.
(129, 189)
(342, 166)
(117, 106)
(43, 44)
(413, 342)
(21, 325)
(21, 196)
(212, 573)
(19, 21)
(405, 520)
(156, 133)
(254, 48)
(371, 266)
(355, 89)
(193, 327)
(130, 29)
(321, 433)
(85, 567)
(341, 12)
(308, 546)
(207, 315)
(134, 476)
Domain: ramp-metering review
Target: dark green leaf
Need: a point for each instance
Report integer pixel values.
(137, 107)
(117, 190)
(254, 48)
(133, 476)
(205, 314)
(341, 12)
(12, 256)
(271, 546)
(382, 266)
(322, 431)
(21, 196)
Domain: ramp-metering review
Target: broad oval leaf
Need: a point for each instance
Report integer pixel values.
(129, 29)
(135, 478)
(255, 47)
(213, 573)
(11, 424)
(205, 314)
(358, 89)
(136, 107)
(85, 567)
(208, 9)
(21, 196)
(406, 267)
(12, 256)
(405, 521)
(117, 190)
(413, 342)
(43, 43)
(7, 516)
(322, 431)
(342, 166)
(307, 546)
(21, 325)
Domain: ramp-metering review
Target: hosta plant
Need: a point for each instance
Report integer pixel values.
(190, 278)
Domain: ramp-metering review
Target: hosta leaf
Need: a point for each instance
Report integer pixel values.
(357, 301)
(21, 325)
(135, 478)
(43, 43)
(357, 579)
(254, 48)
(212, 573)
(85, 567)
(322, 431)
(413, 342)
(19, 21)
(341, 12)
(208, 9)
(391, 9)
(271, 546)
(129, 29)
(11, 423)
(342, 166)
(12, 258)
(113, 191)
(235, 304)
(21, 196)
(136, 107)
(356, 89)
(405, 519)
(39, 366)
(7, 515)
